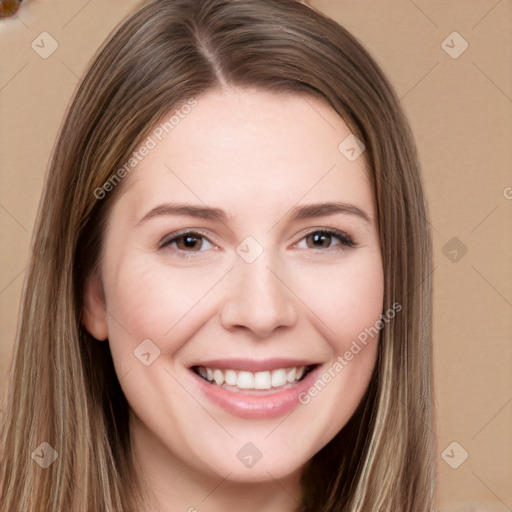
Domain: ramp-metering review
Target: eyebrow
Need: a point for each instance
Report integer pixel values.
(297, 213)
(330, 208)
(203, 212)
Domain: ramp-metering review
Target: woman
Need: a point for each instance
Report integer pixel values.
(230, 302)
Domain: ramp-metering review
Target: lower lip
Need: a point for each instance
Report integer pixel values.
(256, 406)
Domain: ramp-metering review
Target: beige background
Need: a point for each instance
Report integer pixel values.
(461, 113)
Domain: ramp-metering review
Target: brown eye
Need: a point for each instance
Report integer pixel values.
(319, 240)
(326, 239)
(189, 242)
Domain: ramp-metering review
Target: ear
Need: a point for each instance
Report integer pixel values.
(94, 313)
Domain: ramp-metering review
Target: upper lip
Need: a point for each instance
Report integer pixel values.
(253, 365)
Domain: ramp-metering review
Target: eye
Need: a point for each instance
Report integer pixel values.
(187, 241)
(325, 239)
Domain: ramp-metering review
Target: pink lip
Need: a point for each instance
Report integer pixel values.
(257, 405)
(253, 365)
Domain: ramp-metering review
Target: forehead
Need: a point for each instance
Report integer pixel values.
(235, 148)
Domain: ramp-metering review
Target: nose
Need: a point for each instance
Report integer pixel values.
(258, 299)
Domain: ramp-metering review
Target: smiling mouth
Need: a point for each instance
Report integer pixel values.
(240, 380)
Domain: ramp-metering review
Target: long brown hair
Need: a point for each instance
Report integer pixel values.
(63, 389)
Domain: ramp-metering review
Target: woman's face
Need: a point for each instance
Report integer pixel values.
(241, 262)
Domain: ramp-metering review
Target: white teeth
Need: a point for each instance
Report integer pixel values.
(218, 377)
(245, 380)
(249, 380)
(278, 378)
(262, 380)
(231, 377)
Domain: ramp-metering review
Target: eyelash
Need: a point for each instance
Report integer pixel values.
(333, 233)
(344, 239)
(173, 237)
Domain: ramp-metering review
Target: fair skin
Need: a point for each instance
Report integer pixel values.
(256, 156)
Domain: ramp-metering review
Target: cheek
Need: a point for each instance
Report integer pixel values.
(154, 301)
(347, 302)
(345, 298)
